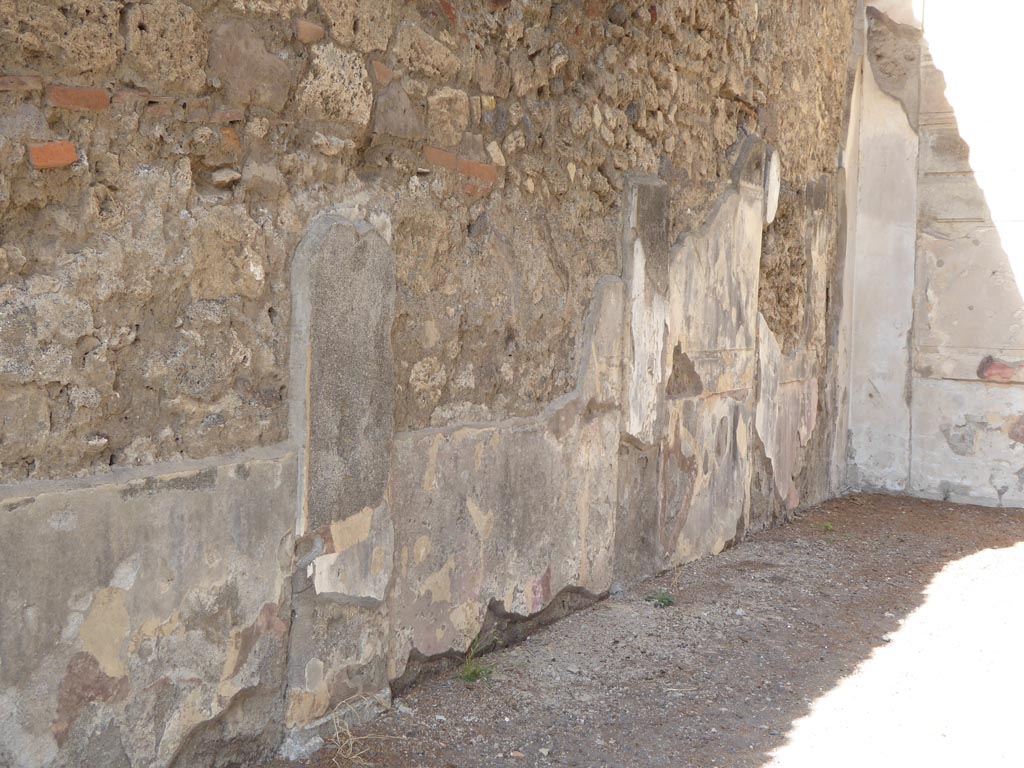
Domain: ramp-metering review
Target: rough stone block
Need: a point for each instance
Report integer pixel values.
(24, 83)
(362, 24)
(165, 46)
(76, 40)
(447, 116)
(306, 32)
(337, 86)
(250, 74)
(419, 52)
(395, 115)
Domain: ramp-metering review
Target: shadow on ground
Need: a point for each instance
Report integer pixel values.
(874, 630)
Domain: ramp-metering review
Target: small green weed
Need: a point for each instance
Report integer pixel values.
(472, 670)
(660, 599)
(829, 528)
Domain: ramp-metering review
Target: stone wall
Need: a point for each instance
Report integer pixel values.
(331, 331)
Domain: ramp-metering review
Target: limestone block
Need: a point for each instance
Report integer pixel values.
(81, 40)
(418, 52)
(165, 46)
(282, 8)
(337, 87)
(362, 24)
(447, 116)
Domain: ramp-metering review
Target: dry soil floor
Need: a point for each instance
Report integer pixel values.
(871, 631)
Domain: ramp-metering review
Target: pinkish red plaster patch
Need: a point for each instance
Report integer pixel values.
(998, 371)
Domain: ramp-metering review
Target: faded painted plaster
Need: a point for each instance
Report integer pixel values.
(184, 617)
(969, 314)
(884, 251)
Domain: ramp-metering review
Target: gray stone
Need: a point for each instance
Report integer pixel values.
(249, 73)
(395, 115)
(351, 378)
(225, 177)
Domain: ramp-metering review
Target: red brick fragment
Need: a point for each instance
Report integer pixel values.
(306, 32)
(229, 140)
(21, 83)
(482, 171)
(53, 154)
(66, 97)
(129, 96)
(157, 110)
(440, 157)
(448, 10)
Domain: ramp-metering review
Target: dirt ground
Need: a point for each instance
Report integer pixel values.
(752, 638)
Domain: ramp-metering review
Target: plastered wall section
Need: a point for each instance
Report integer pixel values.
(968, 432)
(882, 312)
(145, 618)
(936, 400)
(839, 471)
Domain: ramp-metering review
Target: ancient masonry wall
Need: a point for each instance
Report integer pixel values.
(332, 331)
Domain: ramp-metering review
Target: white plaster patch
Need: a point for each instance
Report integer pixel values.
(772, 185)
(886, 239)
(64, 520)
(360, 573)
(648, 315)
(965, 442)
(126, 573)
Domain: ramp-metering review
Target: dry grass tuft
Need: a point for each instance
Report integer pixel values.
(348, 749)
